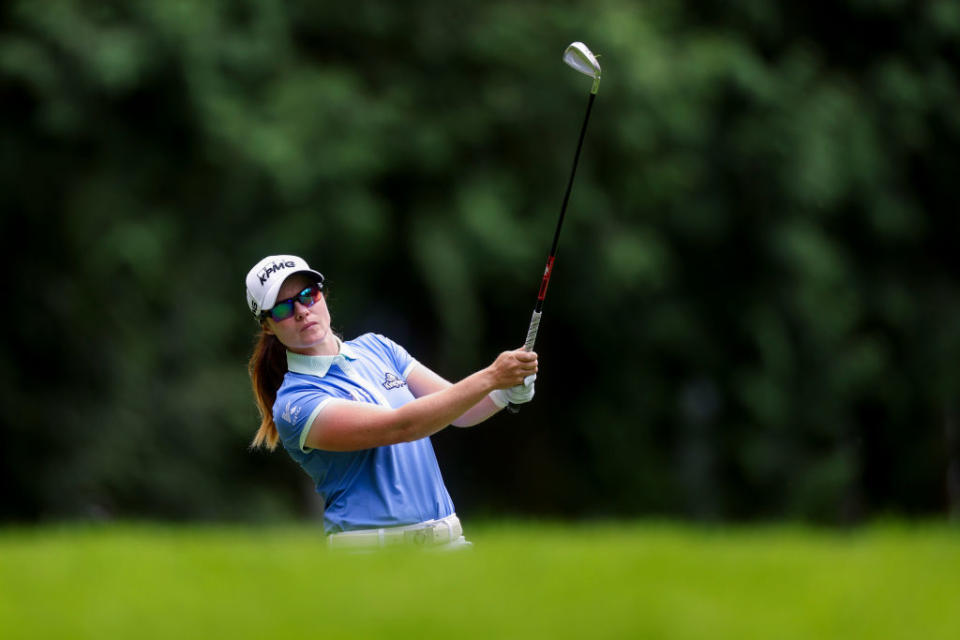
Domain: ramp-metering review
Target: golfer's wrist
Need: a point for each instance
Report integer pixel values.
(489, 378)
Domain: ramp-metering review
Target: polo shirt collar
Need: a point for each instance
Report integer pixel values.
(319, 365)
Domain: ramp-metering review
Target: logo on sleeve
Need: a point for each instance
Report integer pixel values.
(391, 381)
(291, 413)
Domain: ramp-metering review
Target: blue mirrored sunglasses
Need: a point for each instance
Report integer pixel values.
(283, 309)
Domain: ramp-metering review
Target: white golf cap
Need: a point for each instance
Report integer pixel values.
(266, 277)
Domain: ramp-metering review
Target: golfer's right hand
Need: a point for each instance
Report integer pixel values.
(512, 367)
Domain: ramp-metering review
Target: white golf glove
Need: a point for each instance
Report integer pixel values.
(520, 394)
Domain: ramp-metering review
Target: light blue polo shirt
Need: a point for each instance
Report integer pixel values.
(386, 486)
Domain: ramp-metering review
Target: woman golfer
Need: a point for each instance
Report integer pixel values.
(357, 415)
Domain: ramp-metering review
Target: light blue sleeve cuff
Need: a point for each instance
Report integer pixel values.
(409, 368)
(306, 428)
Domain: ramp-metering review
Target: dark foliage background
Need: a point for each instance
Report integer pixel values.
(754, 314)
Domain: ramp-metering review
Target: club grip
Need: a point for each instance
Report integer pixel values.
(532, 331)
(528, 346)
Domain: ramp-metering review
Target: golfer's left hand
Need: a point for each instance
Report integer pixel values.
(522, 393)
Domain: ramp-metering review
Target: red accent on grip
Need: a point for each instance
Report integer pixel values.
(546, 279)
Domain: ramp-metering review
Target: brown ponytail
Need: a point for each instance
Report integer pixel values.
(267, 366)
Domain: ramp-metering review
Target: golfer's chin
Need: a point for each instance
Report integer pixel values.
(317, 341)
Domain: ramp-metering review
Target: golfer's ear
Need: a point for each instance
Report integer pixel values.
(266, 328)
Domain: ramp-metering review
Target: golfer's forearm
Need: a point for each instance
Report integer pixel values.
(477, 413)
(352, 426)
(431, 413)
(423, 382)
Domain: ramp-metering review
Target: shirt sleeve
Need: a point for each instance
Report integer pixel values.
(402, 361)
(294, 413)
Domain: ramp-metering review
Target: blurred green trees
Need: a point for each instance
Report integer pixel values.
(754, 313)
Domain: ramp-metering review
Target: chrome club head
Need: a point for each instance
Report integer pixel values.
(579, 57)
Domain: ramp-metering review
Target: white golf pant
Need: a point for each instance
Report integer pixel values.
(445, 533)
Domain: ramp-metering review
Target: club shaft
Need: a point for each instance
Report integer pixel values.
(534, 326)
(573, 173)
(548, 270)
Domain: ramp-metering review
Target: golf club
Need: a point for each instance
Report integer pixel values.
(579, 57)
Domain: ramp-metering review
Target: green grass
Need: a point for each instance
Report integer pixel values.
(614, 580)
